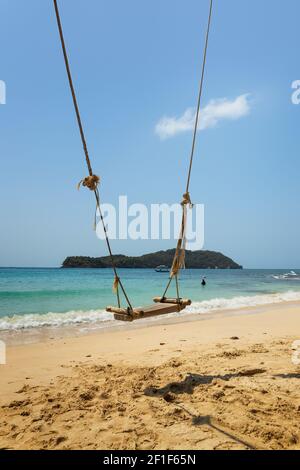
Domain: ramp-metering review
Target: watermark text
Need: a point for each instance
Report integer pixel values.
(2, 353)
(155, 222)
(296, 353)
(296, 94)
(2, 92)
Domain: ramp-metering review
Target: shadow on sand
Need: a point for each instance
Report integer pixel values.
(288, 376)
(187, 386)
(194, 380)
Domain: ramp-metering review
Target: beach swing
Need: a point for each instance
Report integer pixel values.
(161, 305)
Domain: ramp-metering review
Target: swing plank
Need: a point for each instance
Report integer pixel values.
(153, 310)
(180, 301)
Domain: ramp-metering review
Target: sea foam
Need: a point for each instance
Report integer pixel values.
(38, 320)
(100, 317)
(234, 303)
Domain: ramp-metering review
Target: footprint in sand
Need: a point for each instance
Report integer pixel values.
(24, 389)
(60, 439)
(169, 397)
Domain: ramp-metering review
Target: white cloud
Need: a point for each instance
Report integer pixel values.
(210, 116)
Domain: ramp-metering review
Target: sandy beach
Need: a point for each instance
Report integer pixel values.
(219, 382)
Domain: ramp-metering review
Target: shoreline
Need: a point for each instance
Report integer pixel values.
(226, 382)
(43, 334)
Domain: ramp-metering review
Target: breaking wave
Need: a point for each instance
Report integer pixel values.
(234, 303)
(100, 317)
(38, 320)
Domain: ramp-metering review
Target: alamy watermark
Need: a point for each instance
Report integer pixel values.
(2, 92)
(155, 222)
(296, 94)
(296, 353)
(2, 353)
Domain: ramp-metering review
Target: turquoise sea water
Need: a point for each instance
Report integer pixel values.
(44, 296)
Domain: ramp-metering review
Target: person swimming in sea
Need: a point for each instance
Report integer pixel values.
(203, 282)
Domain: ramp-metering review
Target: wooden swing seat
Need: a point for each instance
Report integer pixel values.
(160, 307)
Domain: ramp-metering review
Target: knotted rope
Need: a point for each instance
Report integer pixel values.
(179, 257)
(92, 181)
(186, 200)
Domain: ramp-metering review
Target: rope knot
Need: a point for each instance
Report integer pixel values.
(186, 200)
(116, 284)
(90, 182)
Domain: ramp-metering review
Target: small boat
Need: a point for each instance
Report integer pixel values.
(288, 276)
(162, 268)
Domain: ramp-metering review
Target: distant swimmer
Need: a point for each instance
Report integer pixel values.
(203, 282)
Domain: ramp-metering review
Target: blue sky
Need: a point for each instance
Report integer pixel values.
(134, 63)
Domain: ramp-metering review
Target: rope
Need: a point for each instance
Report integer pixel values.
(91, 181)
(179, 257)
(199, 97)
